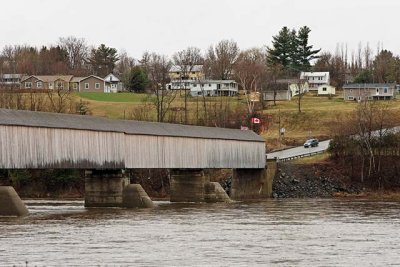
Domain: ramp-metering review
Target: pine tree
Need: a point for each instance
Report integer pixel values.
(305, 53)
(137, 79)
(291, 50)
(283, 45)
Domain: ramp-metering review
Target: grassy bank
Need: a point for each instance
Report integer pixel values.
(317, 116)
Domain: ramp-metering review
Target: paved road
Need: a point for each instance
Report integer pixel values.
(323, 145)
(299, 151)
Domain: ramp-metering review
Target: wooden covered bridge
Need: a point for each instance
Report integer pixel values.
(39, 140)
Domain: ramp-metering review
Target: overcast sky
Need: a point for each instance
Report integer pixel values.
(167, 26)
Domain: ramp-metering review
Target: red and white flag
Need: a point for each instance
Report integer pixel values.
(255, 120)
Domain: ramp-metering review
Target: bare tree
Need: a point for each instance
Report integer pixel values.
(60, 99)
(249, 71)
(301, 88)
(157, 68)
(186, 60)
(77, 51)
(220, 60)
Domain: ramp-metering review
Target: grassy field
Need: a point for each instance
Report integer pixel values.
(317, 116)
(119, 97)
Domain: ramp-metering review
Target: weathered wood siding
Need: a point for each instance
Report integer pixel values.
(180, 152)
(39, 147)
(33, 147)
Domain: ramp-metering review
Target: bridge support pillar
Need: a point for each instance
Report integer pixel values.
(10, 203)
(187, 185)
(253, 183)
(103, 188)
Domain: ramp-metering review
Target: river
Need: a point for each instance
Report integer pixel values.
(288, 232)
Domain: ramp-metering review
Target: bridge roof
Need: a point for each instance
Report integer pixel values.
(91, 123)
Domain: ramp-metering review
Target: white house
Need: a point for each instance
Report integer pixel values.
(214, 88)
(10, 80)
(315, 79)
(295, 89)
(326, 89)
(112, 84)
(206, 87)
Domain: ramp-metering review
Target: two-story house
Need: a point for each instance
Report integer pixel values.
(194, 72)
(315, 79)
(113, 84)
(369, 91)
(10, 81)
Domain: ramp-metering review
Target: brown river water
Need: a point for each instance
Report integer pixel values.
(289, 232)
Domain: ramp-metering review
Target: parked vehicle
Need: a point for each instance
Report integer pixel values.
(311, 143)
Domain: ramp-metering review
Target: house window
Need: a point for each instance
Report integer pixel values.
(351, 90)
(75, 86)
(324, 89)
(209, 85)
(39, 84)
(50, 85)
(28, 85)
(385, 90)
(377, 90)
(86, 85)
(60, 85)
(350, 98)
(193, 72)
(97, 85)
(194, 85)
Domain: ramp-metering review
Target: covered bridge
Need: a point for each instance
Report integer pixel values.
(48, 140)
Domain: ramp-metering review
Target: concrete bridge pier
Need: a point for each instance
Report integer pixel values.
(10, 203)
(104, 188)
(253, 183)
(187, 185)
(195, 186)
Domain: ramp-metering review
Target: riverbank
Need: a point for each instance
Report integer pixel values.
(314, 177)
(310, 180)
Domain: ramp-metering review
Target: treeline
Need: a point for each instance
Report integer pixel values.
(366, 147)
(69, 55)
(287, 55)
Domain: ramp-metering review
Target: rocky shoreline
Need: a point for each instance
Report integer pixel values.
(311, 181)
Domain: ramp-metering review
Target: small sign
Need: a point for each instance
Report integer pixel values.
(255, 120)
(244, 128)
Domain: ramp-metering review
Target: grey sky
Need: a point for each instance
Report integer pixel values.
(166, 26)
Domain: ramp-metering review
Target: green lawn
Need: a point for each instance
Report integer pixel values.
(115, 97)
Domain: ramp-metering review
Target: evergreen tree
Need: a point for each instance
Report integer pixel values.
(137, 80)
(364, 76)
(283, 48)
(291, 50)
(103, 60)
(305, 53)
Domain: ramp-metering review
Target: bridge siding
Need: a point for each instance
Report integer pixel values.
(31, 147)
(174, 152)
(38, 147)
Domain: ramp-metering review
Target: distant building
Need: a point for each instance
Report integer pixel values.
(315, 79)
(46, 82)
(326, 89)
(92, 83)
(279, 91)
(113, 84)
(285, 89)
(369, 91)
(10, 80)
(194, 72)
(206, 87)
